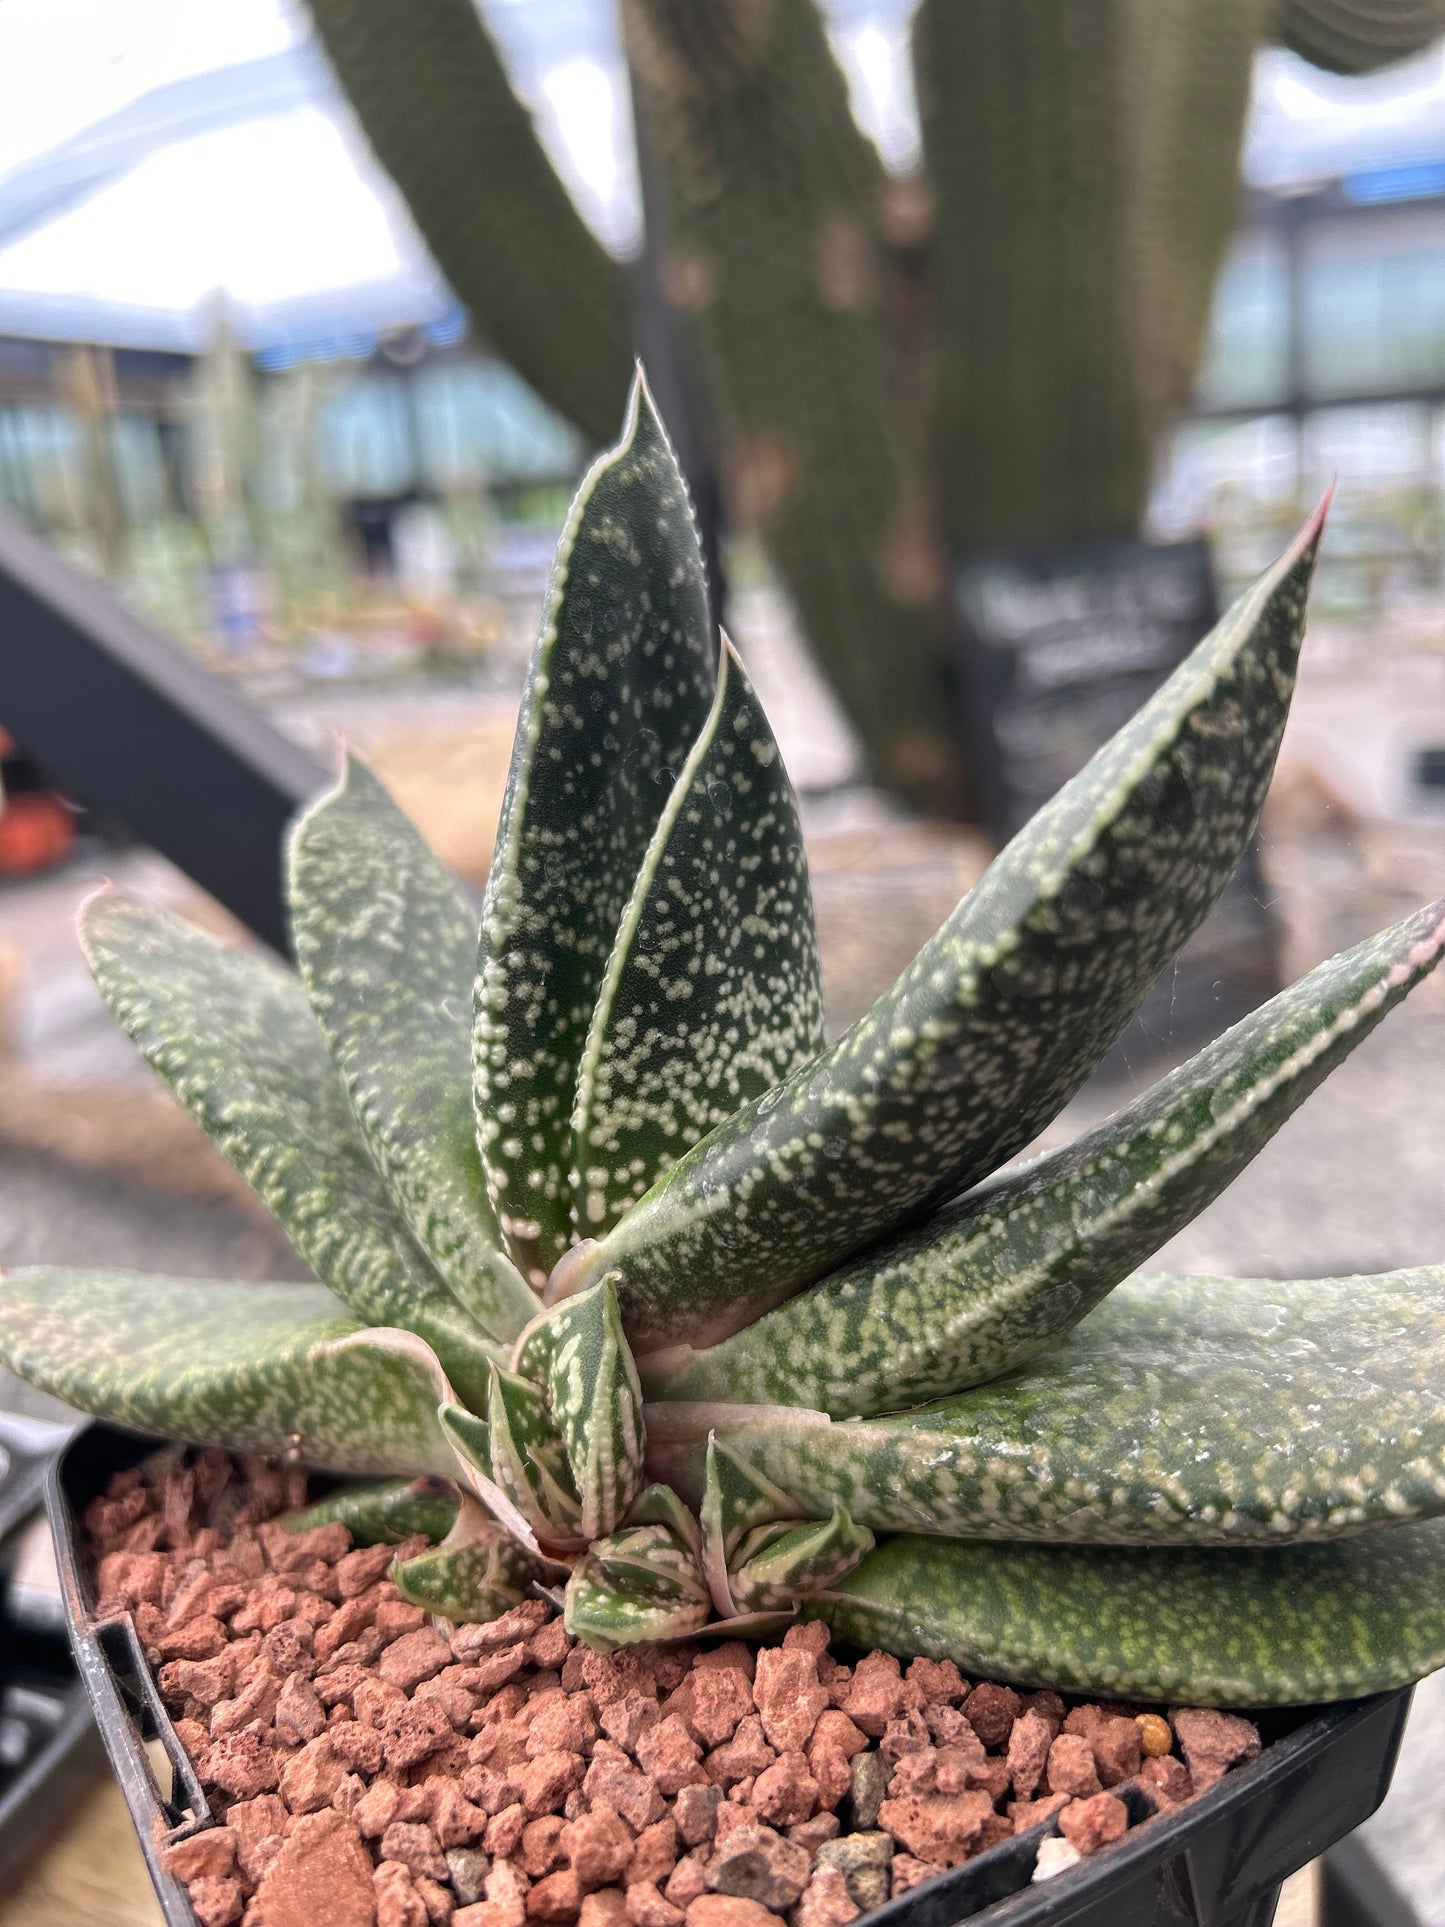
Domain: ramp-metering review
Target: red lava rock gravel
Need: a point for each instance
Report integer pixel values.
(370, 1768)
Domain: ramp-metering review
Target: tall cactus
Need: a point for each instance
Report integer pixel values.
(898, 371)
(775, 255)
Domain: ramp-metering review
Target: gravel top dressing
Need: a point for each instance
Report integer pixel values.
(372, 1767)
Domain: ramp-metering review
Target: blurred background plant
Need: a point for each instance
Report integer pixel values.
(914, 282)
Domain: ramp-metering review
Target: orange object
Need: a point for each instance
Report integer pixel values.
(36, 831)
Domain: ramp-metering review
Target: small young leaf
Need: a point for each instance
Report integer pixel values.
(737, 1501)
(529, 1460)
(620, 684)
(1001, 1016)
(779, 1565)
(386, 944)
(643, 1581)
(233, 1036)
(987, 1281)
(477, 1572)
(597, 1407)
(711, 994)
(255, 1368)
(383, 1512)
(1293, 1625)
(1183, 1411)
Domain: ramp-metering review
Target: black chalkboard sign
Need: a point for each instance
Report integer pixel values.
(1057, 646)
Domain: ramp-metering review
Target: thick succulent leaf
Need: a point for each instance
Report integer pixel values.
(233, 1036)
(642, 1582)
(596, 1405)
(529, 1460)
(470, 1438)
(386, 944)
(1000, 1017)
(659, 1505)
(477, 1572)
(737, 1502)
(712, 993)
(255, 1368)
(1183, 1411)
(383, 1512)
(777, 1566)
(619, 686)
(1290, 1626)
(988, 1280)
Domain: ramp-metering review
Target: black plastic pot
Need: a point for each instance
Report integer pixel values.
(1219, 1861)
(48, 1745)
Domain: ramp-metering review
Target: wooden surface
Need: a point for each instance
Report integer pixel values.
(89, 1873)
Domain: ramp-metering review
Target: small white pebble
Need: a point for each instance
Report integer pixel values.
(1054, 1854)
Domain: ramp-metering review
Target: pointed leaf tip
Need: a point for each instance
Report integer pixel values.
(999, 1019)
(385, 942)
(620, 684)
(977, 1289)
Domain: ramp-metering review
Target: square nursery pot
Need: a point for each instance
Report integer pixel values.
(1221, 1859)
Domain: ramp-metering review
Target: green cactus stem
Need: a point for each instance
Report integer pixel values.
(435, 103)
(774, 256)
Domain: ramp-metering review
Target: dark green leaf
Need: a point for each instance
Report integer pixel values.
(619, 686)
(478, 1571)
(980, 1286)
(1183, 1410)
(711, 995)
(383, 1512)
(1290, 1626)
(1001, 1016)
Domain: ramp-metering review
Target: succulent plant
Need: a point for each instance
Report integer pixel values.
(702, 1321)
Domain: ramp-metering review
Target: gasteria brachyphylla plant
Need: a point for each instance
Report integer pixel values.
(801, 1342)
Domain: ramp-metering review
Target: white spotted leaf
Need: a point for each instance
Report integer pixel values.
(281, 1369)
(478, 1571)
(386, 944)
(1271, 1626)
(1001, 1016)
(620, 684)
(978, 1288)
(233, 1035)
(1203, 1411)
(777, 1566)
(596, 1407)
(711, 994)
(737, 1501)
